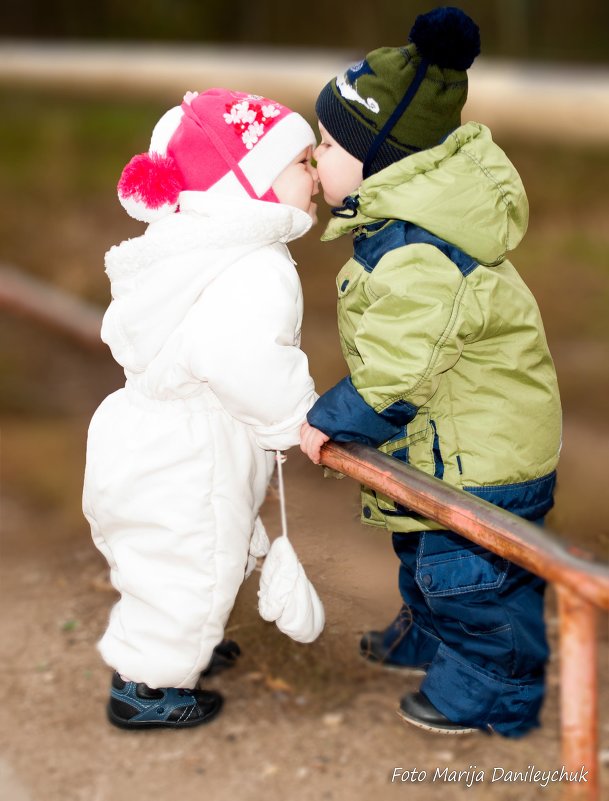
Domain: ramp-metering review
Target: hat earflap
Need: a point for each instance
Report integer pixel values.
(149, 186)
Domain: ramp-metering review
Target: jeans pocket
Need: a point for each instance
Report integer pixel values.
(462, 587)
(460, 572)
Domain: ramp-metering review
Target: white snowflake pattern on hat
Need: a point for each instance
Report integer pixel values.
(249, 119)
(252, 135)
(240, 113)
(269, 112)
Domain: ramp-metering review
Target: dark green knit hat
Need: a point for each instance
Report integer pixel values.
(400, 100)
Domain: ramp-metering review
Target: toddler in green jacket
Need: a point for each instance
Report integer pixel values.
(449, 368)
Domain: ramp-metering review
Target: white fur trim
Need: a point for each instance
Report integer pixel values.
(140, 211)
(229, 185)
(272, 154)
(165, 129)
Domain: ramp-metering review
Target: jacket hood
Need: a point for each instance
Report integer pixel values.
(156, 278)
(466, 191)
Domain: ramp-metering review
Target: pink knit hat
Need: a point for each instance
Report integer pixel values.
(230, 143)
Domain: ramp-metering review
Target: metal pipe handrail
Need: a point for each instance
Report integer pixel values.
(518, 540)
(582, 584)
(51, 306)
(501, 532)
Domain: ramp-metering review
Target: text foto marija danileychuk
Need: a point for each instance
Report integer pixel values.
(474, 774)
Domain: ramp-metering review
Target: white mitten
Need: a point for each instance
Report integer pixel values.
(259, 546)
(286, 595)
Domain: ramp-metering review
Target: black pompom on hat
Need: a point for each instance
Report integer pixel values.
(400, 100)
(447, 38)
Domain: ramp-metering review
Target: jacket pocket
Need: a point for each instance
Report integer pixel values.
(398, 447)
(351, 305)
(412, 432)
(348, 279)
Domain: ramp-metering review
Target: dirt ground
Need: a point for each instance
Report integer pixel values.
(300, 722)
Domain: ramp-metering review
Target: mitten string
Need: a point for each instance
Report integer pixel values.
(280, 458)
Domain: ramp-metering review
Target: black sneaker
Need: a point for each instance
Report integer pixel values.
(137, 706)
(417, 709)
(224, 656)
(373, 647)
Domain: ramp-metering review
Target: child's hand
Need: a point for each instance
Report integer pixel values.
(311, 440)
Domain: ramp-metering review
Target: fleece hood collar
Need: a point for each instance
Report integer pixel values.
(156, 278)
(209, 220)
(465, 191)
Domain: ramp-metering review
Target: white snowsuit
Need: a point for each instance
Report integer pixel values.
(205, 319)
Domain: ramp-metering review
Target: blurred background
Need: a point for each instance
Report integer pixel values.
(531, 29)
(81, 87)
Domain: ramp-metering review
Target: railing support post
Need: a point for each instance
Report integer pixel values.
(579, 693)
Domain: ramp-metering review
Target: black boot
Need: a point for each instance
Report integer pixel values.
(415, 708)
(374, 647)
(224, 656)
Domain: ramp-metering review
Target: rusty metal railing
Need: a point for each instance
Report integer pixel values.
(52, 307)
(582, 585)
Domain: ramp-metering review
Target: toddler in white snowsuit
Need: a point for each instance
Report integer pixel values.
(205, 318)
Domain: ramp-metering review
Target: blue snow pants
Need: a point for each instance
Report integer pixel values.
(475, 621)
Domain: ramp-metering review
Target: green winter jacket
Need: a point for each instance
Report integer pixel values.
(449, 366)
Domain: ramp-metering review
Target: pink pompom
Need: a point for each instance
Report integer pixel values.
(149, 186)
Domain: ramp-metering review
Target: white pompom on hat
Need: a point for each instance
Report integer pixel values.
(231, 143)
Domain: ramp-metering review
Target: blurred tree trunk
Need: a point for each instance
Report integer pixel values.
(532, 29)
(516, 23)
(256, 21)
